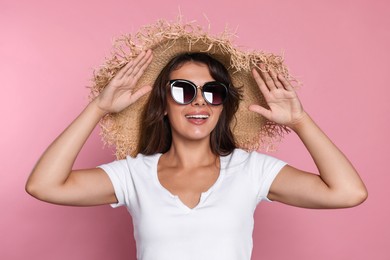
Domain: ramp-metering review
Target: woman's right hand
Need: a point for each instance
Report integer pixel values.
(120, 92)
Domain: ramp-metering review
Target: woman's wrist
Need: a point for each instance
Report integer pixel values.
(94, 106)
(300, 123)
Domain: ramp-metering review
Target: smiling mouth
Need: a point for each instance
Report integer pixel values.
(197, 116)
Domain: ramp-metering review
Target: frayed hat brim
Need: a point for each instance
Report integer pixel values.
(167, 40)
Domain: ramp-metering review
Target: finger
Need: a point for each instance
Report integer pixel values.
(139, 70)
(267, 77)
(129, 67)
(260, 110)
(139, 93)
(138, 67)
(286, 83)
(134, 63)
(123, 70)
(275, 79)
(260, 82)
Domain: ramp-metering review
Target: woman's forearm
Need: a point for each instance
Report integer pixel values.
(55, 165)
(335, 169)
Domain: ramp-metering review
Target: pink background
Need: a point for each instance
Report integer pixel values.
(338, 49)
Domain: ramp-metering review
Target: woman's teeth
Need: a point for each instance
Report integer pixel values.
(197, 116)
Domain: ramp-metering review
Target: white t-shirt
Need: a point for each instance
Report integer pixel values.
(219, 227)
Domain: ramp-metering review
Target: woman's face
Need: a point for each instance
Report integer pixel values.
(196, 120)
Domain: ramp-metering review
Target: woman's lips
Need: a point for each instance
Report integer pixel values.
(197, 119)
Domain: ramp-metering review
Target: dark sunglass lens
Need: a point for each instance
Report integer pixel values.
(215, 93)
(182, 92)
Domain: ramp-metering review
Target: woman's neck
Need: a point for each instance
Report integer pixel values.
(190, 154)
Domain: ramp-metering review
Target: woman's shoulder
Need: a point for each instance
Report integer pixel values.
(239, 153)
(142, 160)
(241, 157)
(142, 157)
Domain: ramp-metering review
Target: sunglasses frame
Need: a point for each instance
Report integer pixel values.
(171, 82)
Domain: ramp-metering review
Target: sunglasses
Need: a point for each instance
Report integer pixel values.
(184, 91)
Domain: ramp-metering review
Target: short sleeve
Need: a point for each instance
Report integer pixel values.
(264, 168)
(119, 174)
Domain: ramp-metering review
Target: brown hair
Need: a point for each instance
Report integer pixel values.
(156, 136)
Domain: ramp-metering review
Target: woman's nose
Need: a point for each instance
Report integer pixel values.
(198, 100)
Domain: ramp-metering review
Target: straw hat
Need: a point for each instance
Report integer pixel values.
(167, 40)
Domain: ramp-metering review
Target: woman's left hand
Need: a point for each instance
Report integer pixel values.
(285, 107)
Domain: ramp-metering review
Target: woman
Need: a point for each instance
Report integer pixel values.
(190, 190)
